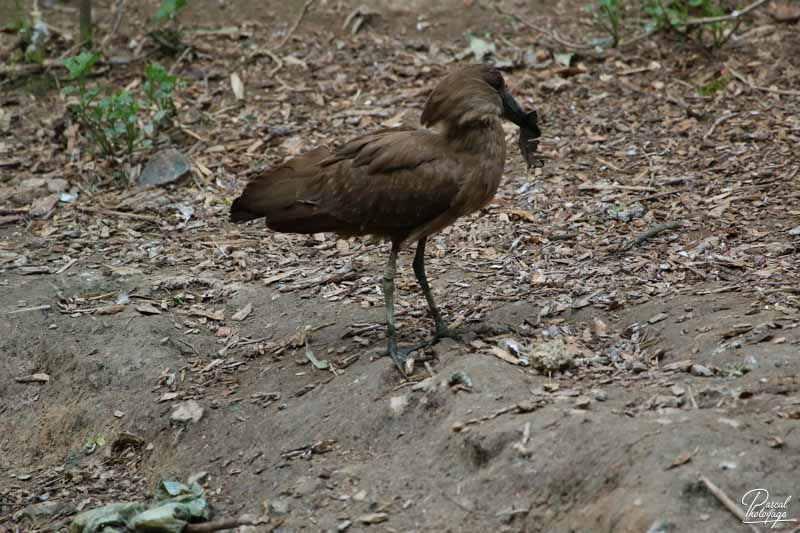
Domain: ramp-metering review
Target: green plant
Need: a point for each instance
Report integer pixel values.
(111, 121)
(20, 22)
(159, 89)
(608, 14)
(168, 34)
(675, 15)
(169, 10)
(714, 86)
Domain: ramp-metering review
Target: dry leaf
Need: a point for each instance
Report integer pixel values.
(237, 86)
(243, 313)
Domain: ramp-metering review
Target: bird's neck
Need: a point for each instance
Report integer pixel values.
(484, 137)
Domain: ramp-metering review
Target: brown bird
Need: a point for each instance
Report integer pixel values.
(401, 183)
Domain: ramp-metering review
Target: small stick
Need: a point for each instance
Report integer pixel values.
(123, 214)
(732, 16)
(661, 194)
(37, 308)
(297, 22)
(725, 500)
(228, 523)
(119, 10)
(652, 232)
(740, 77)
(717, 122)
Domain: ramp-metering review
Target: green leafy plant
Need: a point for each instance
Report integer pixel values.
(714, 86)
(687, 18)
(168, 34)
(609, 15)
(118, 121)
(111, 121)
(159, 89)
(20, 22)
(169, 10)
(675, 15)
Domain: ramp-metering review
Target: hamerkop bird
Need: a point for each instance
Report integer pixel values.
(401, 183)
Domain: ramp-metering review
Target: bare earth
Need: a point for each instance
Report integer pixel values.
(652, 363)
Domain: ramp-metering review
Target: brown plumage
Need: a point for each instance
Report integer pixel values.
(401, 183)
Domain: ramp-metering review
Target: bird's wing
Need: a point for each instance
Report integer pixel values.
(392, 181)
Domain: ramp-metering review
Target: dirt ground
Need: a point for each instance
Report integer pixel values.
(624, 365)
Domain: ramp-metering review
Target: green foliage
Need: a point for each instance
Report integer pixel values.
(609, 14)
(80, 66)
(714, 86)
(666, 15)
(159, 89)
(20, 22)
(168, 33)
(117, 121)
(169, 10)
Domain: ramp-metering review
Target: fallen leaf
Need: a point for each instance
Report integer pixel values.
(148, 309)
(237, 86)
(243, 313)
(682, 459)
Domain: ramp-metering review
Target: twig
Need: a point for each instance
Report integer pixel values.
(120, 9)
(25, 310)
(297, 22)
(228, 523)
(740, 77)
(722, 18)
(189, 345)
(180, 58)
(717, 122)
(725, 500)
(122, 214)
(278, 62)
(652, 232)
(661, 195)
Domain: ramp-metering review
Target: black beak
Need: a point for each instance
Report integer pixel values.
(529, 132)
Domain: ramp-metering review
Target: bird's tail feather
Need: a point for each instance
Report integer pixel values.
(284, 195)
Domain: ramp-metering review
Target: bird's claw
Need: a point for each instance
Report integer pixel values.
(402, 356)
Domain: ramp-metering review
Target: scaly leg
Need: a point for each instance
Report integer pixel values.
(442, 330)
(398, 356)
(419, 270)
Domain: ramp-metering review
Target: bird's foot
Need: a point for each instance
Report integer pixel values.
(402, 356)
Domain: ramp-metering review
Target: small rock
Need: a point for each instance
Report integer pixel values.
(677, 390)
(657, 318)
(118, 414)
(188, 411)
(735, 424)
(360, 496)
(552, 356)
(398, 404)
(373, 518)
(166, 166)
(701, 371)
(794, 231)
(342, 526)
(197, 477)
(583, 402)
(600, 395)
(278, 507)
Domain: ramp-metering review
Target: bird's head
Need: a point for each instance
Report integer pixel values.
(478, 94)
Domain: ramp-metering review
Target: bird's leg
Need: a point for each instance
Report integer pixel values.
(419, 270)
(398, 356)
